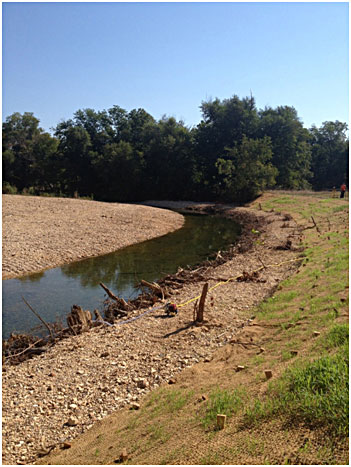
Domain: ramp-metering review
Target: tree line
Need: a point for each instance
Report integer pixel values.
(233, 154)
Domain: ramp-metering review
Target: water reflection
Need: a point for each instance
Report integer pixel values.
(53, 292)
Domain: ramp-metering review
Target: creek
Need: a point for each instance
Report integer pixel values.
(52, 292)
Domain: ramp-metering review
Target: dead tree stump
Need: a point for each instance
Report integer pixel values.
(79, 319)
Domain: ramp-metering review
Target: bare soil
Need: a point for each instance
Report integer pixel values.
(57, 396)
(40, 233)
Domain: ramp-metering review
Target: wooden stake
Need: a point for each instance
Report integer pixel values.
(221, 419)
(200, 312)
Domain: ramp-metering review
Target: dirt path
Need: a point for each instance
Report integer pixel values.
(40, 233)
(59, 395)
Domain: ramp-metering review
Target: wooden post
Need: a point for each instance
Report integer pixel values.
(221, 419)
(200, 311)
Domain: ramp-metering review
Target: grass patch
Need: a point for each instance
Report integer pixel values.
(338, 336)
(316, 393)
(221, 401)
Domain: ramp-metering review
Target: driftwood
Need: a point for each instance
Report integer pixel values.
(157, 289)
(120, 301)
(39, 317)
(79, 320)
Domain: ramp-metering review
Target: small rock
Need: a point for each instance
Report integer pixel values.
(134, 406)
(172, 381)
(240, 368)
(316, 333)
(72, 421)
(268, 374)
(104, 354)
(66, 445)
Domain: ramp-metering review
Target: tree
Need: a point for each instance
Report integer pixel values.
(224, 124)
(290, 146)
(169, 161)
(119, 171)
(330, 149)
(18, 157)
(76, 158)
(245, 170)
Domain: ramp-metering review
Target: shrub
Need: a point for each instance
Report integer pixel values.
(8, 189)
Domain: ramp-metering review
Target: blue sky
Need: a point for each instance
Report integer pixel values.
(169, 57)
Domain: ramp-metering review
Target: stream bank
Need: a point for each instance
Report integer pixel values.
(62, 393)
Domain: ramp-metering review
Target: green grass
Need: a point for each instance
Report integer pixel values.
(169, 400)
(338, 336)
(316, 393)
(221, 401)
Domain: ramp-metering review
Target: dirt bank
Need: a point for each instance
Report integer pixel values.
(40, 233)
(59, 395)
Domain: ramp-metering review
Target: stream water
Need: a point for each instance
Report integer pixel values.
(52, 293)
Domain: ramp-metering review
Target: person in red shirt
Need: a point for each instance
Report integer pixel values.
(342, 190)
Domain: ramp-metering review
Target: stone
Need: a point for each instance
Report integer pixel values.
(142, 384)
(172, 381)
(268, 374)
(66, 445)
(240, 368)
(316, 333)
(72, 421)
(134, 406)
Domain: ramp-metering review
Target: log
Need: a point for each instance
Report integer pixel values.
(109, 293)
(153, 286)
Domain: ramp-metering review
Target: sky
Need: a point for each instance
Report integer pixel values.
(167, 58)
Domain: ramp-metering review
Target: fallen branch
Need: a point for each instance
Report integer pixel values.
(109, 293)
(23, 351)
(39, 317)
(314, 222)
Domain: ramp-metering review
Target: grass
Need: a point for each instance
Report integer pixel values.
(221, 401)
(315, 392)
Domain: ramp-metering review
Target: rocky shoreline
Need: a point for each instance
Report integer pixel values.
(55, 397)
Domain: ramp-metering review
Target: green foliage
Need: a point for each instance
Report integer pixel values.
(245, 171)
(8, 189)
(329, 154)
(233, 154)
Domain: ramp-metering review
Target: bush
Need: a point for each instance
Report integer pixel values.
(8, 189)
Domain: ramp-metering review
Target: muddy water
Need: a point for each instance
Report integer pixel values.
(53, 292)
